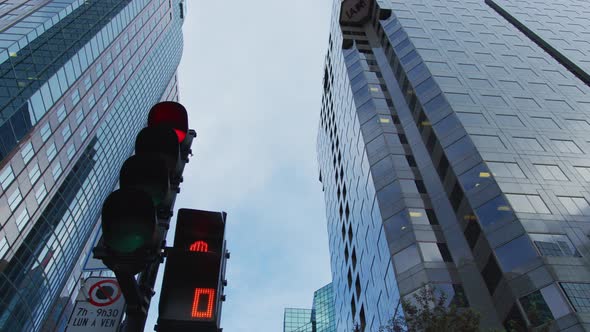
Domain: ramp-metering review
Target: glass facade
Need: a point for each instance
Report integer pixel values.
(323, 309)
(318, 319)
(452, 153)
(297, 320)
(77, 79)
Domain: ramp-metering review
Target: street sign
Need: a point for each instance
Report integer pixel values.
(99, 307)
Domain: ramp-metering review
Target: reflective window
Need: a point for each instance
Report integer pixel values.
(584, 172)
(578, 294)
(79, 116)
(101, 88)
(6, 177)
(3, 246)
(477, 177)
(34, 174)
(71, 151)
(108, 57)
(459, 150)
(495, 211)
(515, 253)
(61, 113)
(397, 224)
(75, 96)
(56, 172)
(45, 131)
(509, 170)
(66, 132)
(544, 123)
(575, 205)
(551, 172)
(555, 300)
(91, 100)
(409, 57)
(37, 105)
(566, 146)
(418, 216)
(83, 133)
(41, 193)
(111, 75)
(490, 142)
(435, 252)
(446, 126)
(22, 219)
(14, 199)
(406, 259)
(554, 245)
(27, 152)
(98, 69)
(472, 119)
(430, 252)
(51, 151)
(94, 118)
(536, 308)
(88, 82)
(527, 203)
(528, 143)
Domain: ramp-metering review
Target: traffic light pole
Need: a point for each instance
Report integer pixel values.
(136, 302)
(141, 293)
(138, 293)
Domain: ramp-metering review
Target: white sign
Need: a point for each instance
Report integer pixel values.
(99, 307)
(91, 263)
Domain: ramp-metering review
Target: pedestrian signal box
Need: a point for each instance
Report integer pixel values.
(192, 289)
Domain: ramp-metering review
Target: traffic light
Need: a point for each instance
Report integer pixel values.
(192, 289)
(171, 114)
(148, 181)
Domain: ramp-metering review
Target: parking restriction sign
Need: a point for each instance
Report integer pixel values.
(99, 307)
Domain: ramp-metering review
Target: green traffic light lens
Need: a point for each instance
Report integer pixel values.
(127, 238)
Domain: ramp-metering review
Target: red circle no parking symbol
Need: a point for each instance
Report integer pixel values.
(104, 293)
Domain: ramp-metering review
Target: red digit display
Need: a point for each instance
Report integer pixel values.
(203, 303)
(200, 246)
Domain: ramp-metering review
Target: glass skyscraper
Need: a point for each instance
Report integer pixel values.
(453, 152)
(318, 319)
(77, 80)
(297, 320)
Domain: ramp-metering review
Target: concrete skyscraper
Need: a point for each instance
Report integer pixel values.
(77, 80)
(454, 152)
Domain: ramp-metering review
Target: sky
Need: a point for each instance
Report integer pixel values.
(251, 79)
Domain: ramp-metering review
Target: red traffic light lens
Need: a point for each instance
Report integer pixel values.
(170, 114)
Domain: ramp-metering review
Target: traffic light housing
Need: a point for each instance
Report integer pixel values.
(148, 181)
(170, 114)
(192, 289)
